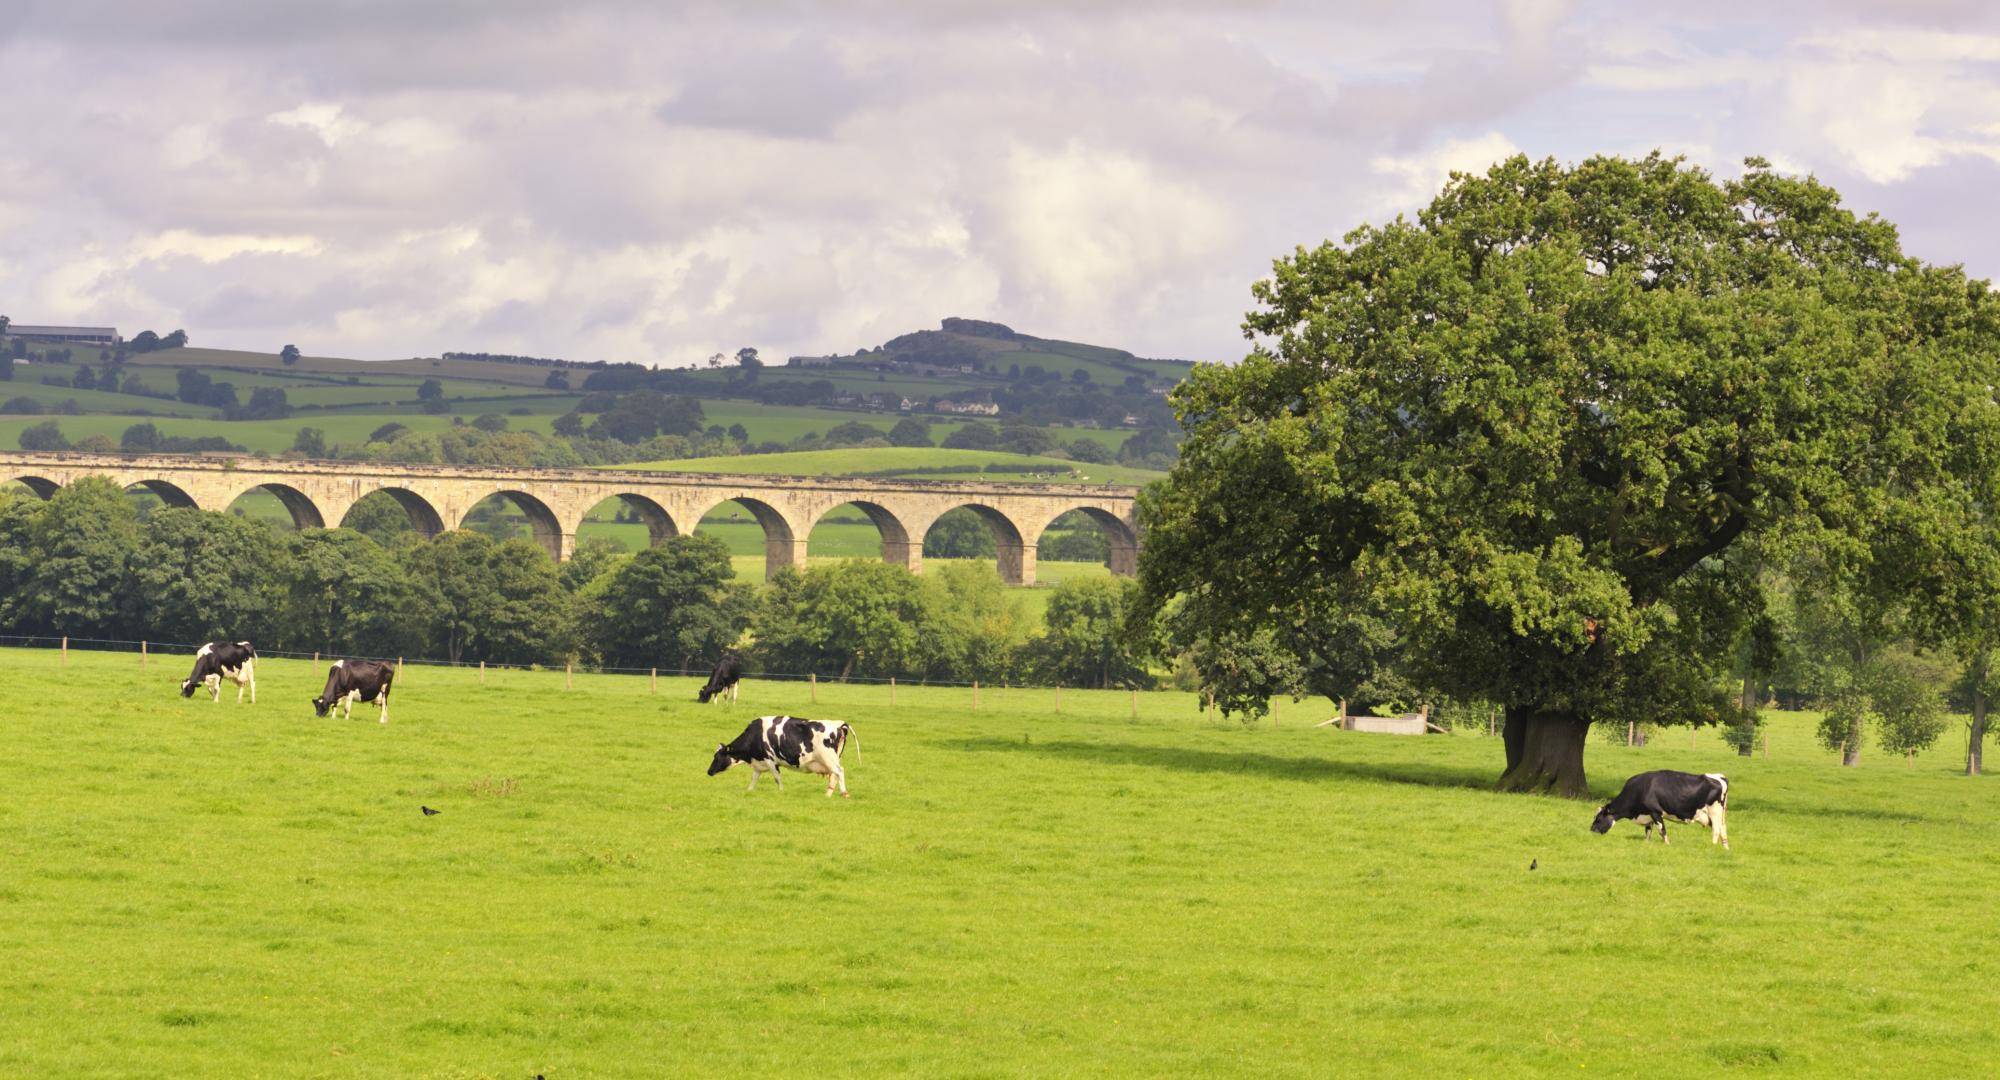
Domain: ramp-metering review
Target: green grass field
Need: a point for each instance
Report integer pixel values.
(201, 890)
(907, 460)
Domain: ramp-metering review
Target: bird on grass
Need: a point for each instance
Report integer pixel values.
(1531, 863)
(428, 812)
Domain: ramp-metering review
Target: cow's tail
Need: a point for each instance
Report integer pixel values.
(855, 739)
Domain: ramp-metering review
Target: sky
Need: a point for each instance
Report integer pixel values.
(627, 180)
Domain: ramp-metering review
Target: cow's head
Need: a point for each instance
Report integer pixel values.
(722, 760)
(1602, 823)
(702, 695)
(320, 706)
(187, 687)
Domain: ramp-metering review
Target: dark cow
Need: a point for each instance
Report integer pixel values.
(1651, 798)
(219, 660)
(728, 671)
(773, 741)
(348, 681)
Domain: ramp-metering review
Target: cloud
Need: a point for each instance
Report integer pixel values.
(624, 180)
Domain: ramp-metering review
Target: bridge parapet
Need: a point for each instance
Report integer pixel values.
(556, 501)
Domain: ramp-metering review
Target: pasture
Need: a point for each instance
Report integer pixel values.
(194, 889)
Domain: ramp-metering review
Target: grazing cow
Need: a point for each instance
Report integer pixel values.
(219, 660)
(773, 741)
(728, 671)
(348, 681)
(1651, 798)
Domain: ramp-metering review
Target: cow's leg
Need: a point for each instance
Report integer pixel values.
(838, 776)
(214, 685)
(385, 707)
(1663, 830)
(756, 770)
(775, 778)
(732, 692)
(1718, 825)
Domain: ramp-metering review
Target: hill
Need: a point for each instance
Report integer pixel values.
(974, 347)
(1060, 390)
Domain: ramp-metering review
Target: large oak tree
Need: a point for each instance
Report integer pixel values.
(1524, 430)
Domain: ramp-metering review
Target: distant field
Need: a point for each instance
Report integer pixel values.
(1014, 889)
(855, 462)
(95, 400)
(269, 436)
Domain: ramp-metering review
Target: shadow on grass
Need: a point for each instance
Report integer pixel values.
(1226, 761)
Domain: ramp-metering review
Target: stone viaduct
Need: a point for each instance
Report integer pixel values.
(438, 497)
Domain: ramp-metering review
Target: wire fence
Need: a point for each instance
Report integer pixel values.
(148, 650)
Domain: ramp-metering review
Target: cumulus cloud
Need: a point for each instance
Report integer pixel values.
(624, 180)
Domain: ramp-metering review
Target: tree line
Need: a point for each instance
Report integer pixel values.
(89, 563)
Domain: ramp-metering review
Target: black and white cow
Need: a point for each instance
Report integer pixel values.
(219, 660)
(773, 741)
(348, 681)
(1651, 798)
(728, 672)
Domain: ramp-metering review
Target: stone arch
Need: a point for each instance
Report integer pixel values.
(659, 524)
(897, 547)
(1016, 557)
(167, 491)
(42, 486)
(547, 528)
(1124, 539)
(424, 517)
(783, 546)
(305, 514)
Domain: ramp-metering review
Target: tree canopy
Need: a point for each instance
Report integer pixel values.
(1523, 431)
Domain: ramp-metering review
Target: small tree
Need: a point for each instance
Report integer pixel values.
(46, 435)
(310, 442)
(1091, 639)
(140, 438)
(910, 431)
(289, 354)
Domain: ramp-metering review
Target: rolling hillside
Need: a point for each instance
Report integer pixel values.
(1063, 390)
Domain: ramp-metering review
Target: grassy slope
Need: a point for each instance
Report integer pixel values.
(211, 890)
(904, 460)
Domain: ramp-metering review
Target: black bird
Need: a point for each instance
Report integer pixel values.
(428, 812)
(1531, 862)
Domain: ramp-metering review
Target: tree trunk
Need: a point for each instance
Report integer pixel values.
(1545, 752)
(1747, 739)
(1850, 751)
(1975, 747)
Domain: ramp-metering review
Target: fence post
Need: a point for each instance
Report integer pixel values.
(892, 689)
(1630, 727)
(1058, 697)
(975, 695)
(567, 666)
(1135, 703)
(399, 669)
(142, 654)
(65, 650)
(653, 681)
(812, 679)
(482, 672)
(315, 657)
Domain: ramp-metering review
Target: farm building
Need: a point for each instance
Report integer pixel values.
(77, 335)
